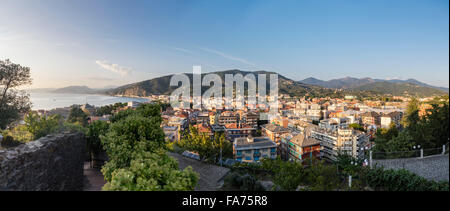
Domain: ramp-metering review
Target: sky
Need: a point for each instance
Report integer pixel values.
(102, 43)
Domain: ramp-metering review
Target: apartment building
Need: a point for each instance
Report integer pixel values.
(274, 132)
(180, 123)
(227, 117)
(170, 133)
(133, 104)
(213, 118)
(387, 119)
(253, 149)
(302, 147)
(250, 118)
(371, 118)
(343, 139)
(202, 118)
(234, 130)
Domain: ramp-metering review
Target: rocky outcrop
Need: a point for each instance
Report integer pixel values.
(51, 163)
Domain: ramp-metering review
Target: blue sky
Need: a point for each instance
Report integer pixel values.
(104, 43)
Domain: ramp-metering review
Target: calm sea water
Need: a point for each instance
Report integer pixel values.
(53, 100)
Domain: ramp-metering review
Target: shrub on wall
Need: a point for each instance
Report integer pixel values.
(400, 180)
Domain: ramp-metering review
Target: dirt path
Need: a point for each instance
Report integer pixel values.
(93, 178)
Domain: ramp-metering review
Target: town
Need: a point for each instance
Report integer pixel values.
(303, 128)
(297, 96)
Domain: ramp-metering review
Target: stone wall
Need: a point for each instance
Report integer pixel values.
(434, 167)
(51, 163)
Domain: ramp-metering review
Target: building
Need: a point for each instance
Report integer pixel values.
(171, 133)
(274, 132)
(371, 118)
(104, 118)
(213, 118)
(341, 140)
(227, 117)
(180, 123)
(233, 131)
(387, 119)
(133, 104)
(250, 118)
(88, 109)
(253, 149)
(202, 118)
(301, 147)
(314, 114)
(218, 129)
(204, 129)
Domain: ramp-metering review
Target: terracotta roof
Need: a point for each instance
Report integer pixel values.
(236, 126)
(303, 141)
(202, 128)
(275, 128)
(371, 114)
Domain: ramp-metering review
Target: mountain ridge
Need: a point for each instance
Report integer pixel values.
(308, 87)
(350, 82)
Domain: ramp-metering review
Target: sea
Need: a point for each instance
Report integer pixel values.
(48, 101)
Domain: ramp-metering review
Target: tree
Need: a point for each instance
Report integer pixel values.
(383, 136)
(12, 101)
(152, 172)
(108, 109)
(149, 110)
(138, 160)
(77, 115)
(94, 131)
(128, 138)
(42, 126)
(357, 126)
(437, 122)
(289, 175)
(205, 146)
(411, 117)
(322, 177)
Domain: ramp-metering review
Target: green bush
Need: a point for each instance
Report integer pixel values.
(234, 179)
(8, 141)
(400, 180)
(41, 126)
(249, 183)
(244, 182)
(152, 172)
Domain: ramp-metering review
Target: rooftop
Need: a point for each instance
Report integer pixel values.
(253, 143)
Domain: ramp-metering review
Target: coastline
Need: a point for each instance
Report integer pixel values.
(49, 101)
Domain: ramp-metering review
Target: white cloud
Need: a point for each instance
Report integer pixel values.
(182, 50)
(227, 56)
(123, 71)
(393, 78)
